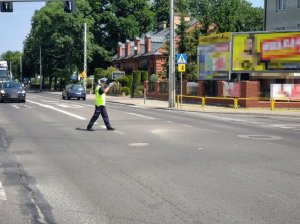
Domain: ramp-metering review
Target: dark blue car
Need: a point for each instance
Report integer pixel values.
(74, 91)
(12, 91)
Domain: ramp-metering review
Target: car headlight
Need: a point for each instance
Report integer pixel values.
(23, 92)
(2, 91)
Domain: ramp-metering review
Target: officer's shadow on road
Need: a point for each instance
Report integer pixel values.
(84, 129)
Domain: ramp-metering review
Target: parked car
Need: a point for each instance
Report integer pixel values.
(12, 91)
(74, 91)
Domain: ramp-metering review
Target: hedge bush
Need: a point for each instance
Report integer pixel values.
(125, 90)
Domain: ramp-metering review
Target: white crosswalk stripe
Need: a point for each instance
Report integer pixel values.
(2, 193)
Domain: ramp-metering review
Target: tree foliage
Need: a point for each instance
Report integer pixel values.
(13, 59)
(161, 7)
(227, 15)
(60, 35)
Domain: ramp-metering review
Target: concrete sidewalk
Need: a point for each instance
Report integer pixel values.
(149, 103)
(198, 107)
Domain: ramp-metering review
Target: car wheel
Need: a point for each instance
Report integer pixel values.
(83, 98)
(68, 97)
(63, 97)
(78, 98)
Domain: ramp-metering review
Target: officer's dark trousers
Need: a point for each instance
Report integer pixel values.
(100, 110)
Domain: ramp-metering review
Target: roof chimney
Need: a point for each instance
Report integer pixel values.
(137, 46)
(162, 25)
(147, 43)
(127, 48)
(120, 49)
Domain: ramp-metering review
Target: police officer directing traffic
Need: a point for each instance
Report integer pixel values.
(100, 108)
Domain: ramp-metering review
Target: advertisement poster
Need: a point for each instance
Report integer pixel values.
(285, 91)
(213, 60)
(266, 52)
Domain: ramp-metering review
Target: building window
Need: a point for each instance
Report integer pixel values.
(281, 5)
(298, 26)
(279, 28)
(298, 3)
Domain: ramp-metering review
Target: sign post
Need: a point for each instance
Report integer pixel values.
(117, 74)
(92, 79)
(181, 61)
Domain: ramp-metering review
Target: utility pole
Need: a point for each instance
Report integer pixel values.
(85, 56)
(10, 72)
(21, 69)
(41, 75)
(172, 59)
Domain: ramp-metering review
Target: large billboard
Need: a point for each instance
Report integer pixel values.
(213, 56)
(266, 52)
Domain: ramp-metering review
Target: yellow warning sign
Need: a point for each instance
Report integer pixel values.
(82, 74)
(181, 68)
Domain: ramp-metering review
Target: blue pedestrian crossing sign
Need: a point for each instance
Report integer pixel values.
(181, 59)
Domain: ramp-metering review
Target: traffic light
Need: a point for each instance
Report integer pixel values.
(69, 6)
(6, 6)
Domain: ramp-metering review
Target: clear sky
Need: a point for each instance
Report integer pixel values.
(16, 26)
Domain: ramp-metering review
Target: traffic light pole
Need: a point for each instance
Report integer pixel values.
(6, 5)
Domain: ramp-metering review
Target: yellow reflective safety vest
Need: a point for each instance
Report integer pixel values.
(100, 99)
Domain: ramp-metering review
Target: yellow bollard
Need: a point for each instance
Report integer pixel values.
(272, 104)
(235, 103)
(203, 102)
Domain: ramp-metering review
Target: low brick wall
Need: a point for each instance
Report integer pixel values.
(249, 89)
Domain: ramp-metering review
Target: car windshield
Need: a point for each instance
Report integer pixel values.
(8, 85)
(3, 73)
(78, 87)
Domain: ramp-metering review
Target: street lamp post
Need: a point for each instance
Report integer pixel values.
(171, 59)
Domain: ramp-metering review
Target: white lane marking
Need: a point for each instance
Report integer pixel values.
(138, 144)
(199, 148)
(68, 105)
(4, 142)
(187, 125)
(170, 122)
(56, 109)
(20, 106)
(284, 126)
(2, 193)
(140, 115)
(116, 131)
(50, 101)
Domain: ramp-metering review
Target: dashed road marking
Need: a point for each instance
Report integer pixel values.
(56, 109)
(138, 144)
(20, 106)
(140, 115)
(2, 193)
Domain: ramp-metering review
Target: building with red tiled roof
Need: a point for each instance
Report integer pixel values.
(145, 53)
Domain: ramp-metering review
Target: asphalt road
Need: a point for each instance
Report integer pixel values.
(158, 167)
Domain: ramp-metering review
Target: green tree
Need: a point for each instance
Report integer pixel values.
(227, 15)
(13, 59)
(118, 20)
(59, 35)
(182, 32)
(162, 11)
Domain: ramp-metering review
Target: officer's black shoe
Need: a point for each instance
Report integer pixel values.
(110, 129)
(90, 129)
